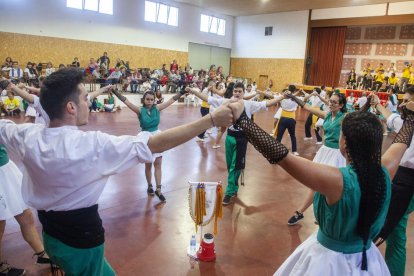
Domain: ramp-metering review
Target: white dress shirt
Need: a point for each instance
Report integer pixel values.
(250, 107)
(41, 115)
(362, 101)
(395, 123)
(288, 105)
(66, 168)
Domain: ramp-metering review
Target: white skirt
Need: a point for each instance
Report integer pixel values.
(330, 156)
(311, 258)
(11, 200)
(30, 112)
(155, 155)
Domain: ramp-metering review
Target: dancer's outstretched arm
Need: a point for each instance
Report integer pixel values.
(130, 105)
(197, 93)
(98, 92)
(316, 111)
(322, 178)
(20, 92)
(222, 116)
(392, 157)
(166, 104)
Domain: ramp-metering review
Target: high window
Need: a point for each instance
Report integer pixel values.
(214, 25)
(160, 13)
(101, 6)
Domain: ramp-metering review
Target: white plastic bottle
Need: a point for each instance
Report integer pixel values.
(193, 244)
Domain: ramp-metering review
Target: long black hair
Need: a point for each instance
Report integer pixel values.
(363, 136)
(229, 91)
(341, 100)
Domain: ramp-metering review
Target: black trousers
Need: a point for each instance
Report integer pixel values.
(290, 125)
(308, 126)
(204, 111)
(402, 192)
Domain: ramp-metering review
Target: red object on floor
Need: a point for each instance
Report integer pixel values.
(206, 252)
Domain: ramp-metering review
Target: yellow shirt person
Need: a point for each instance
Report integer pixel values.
(393, 80)
(406, 72)
(11, 104)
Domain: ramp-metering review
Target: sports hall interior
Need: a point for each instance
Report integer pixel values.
(306, 43)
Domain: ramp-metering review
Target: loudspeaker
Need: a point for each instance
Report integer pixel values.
(309, 61)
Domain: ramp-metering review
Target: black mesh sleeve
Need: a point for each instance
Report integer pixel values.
(119, 95)
(405, 135)
(271, 149)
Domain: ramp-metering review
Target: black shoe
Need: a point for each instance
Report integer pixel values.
(150, 191)
(227, 200)
(7, 270)
(295, 218)
(42, 258)
(160, 196)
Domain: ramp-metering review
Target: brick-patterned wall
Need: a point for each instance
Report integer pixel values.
(377, 44)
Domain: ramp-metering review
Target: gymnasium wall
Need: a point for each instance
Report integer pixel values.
(279, 56)
(23, 48)
(375, 44)
(85, 34)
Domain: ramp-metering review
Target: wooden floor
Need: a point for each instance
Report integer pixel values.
(144, 237)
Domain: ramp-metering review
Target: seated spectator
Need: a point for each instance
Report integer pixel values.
(158, 97)
(49, 69)
(119, 63)
(115, 76)
(15, 73)
(75, 62)
(31, 72)
(134, 79)
(128, 69)
(94, 68)
(110, 103)
(11, 104)
(145, 86)
(61, 66)
(96, 106)
(124, 79)
(7, 66)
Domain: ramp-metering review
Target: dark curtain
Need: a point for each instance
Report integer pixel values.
(326, 51)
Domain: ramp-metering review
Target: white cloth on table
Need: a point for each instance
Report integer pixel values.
(11, 200)
(66, 168)
(312, 259)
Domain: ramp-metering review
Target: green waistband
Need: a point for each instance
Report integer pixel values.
(347, 247)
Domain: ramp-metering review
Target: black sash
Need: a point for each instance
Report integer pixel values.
(241, 148)
(80, 228)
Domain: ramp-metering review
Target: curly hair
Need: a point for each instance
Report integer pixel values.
(363, 136)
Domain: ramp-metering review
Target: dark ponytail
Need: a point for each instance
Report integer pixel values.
(363, 136)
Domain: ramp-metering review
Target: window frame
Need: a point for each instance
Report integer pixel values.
(158, 6)
(98, 9)
(217, 22)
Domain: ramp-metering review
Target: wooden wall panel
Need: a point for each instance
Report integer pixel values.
(24, 48)
(281, 71)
